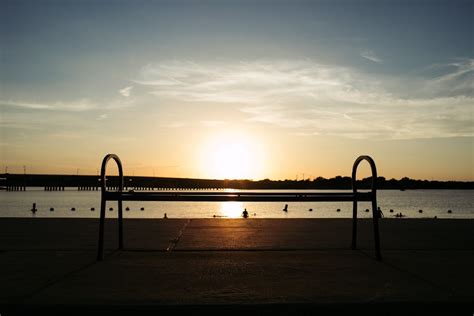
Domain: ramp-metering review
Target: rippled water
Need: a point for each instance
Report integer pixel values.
(431, 202)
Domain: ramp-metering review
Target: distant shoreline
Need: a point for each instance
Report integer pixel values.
(91, 182)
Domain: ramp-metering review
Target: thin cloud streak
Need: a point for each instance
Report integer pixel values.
(456, 78)
(75, 106)
(126, 91)
(370, 55)
(81, 105)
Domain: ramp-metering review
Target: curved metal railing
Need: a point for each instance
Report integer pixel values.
(210, 196)
(103, 201)
(375, 212)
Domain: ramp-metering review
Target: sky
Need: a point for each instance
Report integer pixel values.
(238, 89)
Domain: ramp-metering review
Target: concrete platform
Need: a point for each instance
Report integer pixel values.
(269, 266)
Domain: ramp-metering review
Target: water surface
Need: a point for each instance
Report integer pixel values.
(431, 202)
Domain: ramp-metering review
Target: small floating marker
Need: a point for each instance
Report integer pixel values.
(391, 211)
(142, 209)
(449, 211)
(310, 210)
(51, 209)
(92, 208)
(420, 211)
(111, 208)
(338, 210)
(366, 210)
(73, 208)
(127, 208)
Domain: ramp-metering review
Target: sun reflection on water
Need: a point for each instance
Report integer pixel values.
(231, 209)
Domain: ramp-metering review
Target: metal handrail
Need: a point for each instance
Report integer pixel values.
(375, 212)
(211, 196)
(103, 201)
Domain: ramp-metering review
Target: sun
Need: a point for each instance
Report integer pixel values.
(232, 161)
(233, 158)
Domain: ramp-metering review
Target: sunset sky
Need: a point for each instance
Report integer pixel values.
(238, 89)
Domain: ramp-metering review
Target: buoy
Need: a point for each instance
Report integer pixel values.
(73, 208)
(92, 209)
(51, 209)
(127, 208)
(420, 211)
(111, 209)
(391, 211)
(449, 211)
(310, 209)
(338, 210)
(366, 210)
(142, 209)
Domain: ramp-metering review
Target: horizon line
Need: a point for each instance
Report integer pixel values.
(225, 179)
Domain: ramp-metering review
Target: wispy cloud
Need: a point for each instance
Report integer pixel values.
(126, 91)
(102, 117)
(17, 125)
(243, 82)
(453, 78)
(448, 117)
(80, 105)
(313, 98)
(370, 55)
(75, 106)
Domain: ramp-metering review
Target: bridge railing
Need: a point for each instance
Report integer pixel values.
(213, 196)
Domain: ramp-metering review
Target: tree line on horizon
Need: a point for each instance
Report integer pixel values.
(338, 182)
(344, 182)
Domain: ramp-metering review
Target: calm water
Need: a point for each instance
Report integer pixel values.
(432, 202)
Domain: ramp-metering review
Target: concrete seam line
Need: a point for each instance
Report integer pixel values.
(175, 241)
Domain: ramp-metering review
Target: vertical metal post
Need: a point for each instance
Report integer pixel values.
(120, 223)
(120, 208)
(354, 223)
(376, 215)
(100, 252)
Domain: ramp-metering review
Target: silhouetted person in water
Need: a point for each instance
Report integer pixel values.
(286, 208)
(379, 212)
(166, 216)
(245, 214)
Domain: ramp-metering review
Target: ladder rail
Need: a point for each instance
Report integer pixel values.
(210, 196)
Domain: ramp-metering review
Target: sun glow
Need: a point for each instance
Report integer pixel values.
(231, 209)
(232, 161)
(233, 158)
